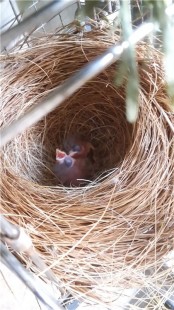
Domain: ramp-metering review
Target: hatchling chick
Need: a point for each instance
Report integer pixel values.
(75, 164)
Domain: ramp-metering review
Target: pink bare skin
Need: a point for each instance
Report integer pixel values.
(73, 167)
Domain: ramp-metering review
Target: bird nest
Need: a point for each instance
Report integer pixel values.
(108, 232)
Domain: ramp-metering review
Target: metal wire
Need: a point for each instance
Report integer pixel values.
(32, 22)
(71, 85)
(7, 229)
(16, 17)
(17, 239)
(20, 241)
(32, 283)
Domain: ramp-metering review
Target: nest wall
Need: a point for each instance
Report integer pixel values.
(107, 233)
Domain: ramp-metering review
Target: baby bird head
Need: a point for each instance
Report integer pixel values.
(72, 168)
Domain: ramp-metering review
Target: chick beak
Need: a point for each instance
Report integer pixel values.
(64, 159)
(60, 155)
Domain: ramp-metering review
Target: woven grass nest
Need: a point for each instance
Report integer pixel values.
(108, 232)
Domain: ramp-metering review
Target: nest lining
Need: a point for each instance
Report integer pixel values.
(121, 223)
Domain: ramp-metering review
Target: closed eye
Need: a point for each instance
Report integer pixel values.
(76, 148)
